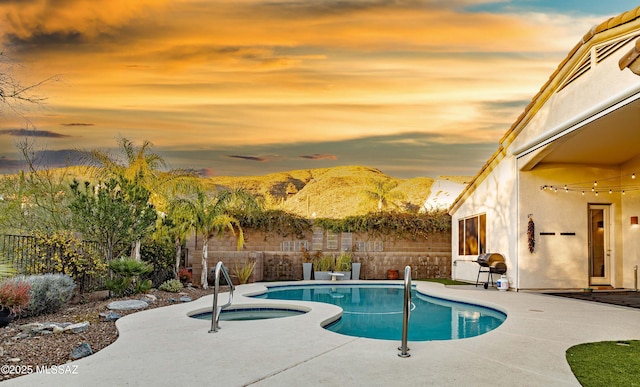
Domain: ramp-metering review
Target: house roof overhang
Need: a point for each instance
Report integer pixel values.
(607, 137)
(620, 24)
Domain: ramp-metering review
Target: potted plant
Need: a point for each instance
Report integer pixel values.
(14, 296)
(343, 265)
(307, 264)
(323, 264)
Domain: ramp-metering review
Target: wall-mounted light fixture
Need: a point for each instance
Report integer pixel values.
(634, 220)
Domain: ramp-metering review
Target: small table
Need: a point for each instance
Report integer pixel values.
(334, 275)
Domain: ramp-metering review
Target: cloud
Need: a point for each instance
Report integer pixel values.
(8, 165)
(77, 124)
(250, 158)
(320, 156)
(31, 133)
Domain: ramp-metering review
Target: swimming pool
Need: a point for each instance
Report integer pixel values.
(375, 311)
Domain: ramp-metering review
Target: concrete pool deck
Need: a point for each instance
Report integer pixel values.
(165, 347)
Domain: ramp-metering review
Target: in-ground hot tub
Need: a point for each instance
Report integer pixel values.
(246, 313)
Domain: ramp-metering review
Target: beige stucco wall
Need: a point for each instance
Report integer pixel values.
(510, 190)
(562, 261)
(630, 233)
(495, 197)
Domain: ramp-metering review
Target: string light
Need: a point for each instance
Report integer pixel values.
(613, 184)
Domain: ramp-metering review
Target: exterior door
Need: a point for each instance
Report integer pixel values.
(599, 246)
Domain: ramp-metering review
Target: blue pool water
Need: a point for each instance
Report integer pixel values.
(250, 313)
(375, 311)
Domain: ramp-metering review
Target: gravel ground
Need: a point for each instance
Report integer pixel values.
(54, 349)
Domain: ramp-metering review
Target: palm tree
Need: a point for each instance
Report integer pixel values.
(176, 225)
(147, 168)
(141, 165)
(215, 215)
(383, 193)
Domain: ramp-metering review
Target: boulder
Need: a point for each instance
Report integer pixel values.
(127, 305)
(83, 350)
(77, 328)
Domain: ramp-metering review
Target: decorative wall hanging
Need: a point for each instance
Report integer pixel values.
(531, 235)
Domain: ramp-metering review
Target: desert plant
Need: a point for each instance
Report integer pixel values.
(126, 277)
(14, 295)
(48, 294)
(172, 285)
(324, 263)
(343, 262)
(244, 272)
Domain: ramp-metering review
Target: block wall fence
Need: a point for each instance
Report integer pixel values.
(428, 257)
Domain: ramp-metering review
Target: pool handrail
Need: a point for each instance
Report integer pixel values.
(216, 310)
(406, 311)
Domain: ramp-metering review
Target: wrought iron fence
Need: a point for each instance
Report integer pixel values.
(28, 256)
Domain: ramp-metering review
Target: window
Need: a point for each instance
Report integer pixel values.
(376, 246)
(345, 241)
(472, 235)
(294, 245)
(332, 240)
(317, 239)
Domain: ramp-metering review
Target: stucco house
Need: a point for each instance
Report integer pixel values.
(560, 198)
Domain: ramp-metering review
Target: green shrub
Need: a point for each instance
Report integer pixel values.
(323, 263)
(343, 262)
(172, 285)
(163, 257)
(126, 277)
(49, 293)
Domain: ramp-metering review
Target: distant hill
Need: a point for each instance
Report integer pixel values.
(326, 192)
(323, 192)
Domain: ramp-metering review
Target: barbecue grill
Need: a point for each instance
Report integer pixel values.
(490, 263)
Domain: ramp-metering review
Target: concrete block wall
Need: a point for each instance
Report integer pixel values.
(428, 258)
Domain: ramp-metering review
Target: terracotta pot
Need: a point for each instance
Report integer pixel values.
(393, 274)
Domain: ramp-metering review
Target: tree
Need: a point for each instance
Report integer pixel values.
(141, 165)
(114, 213)
(12, 91)
(35, 199)
(147, 168)
(215, 215)
(383, 193)
(176, 226)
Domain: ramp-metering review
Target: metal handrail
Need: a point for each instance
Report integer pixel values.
(216, 310)
(404, 350)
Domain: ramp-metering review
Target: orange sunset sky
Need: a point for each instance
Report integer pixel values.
(249, 87)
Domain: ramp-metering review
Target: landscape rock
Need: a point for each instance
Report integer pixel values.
(77, 328)
(185, 299)
(83, 350)
(149, 298)
(127, 305)
(111, 316)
